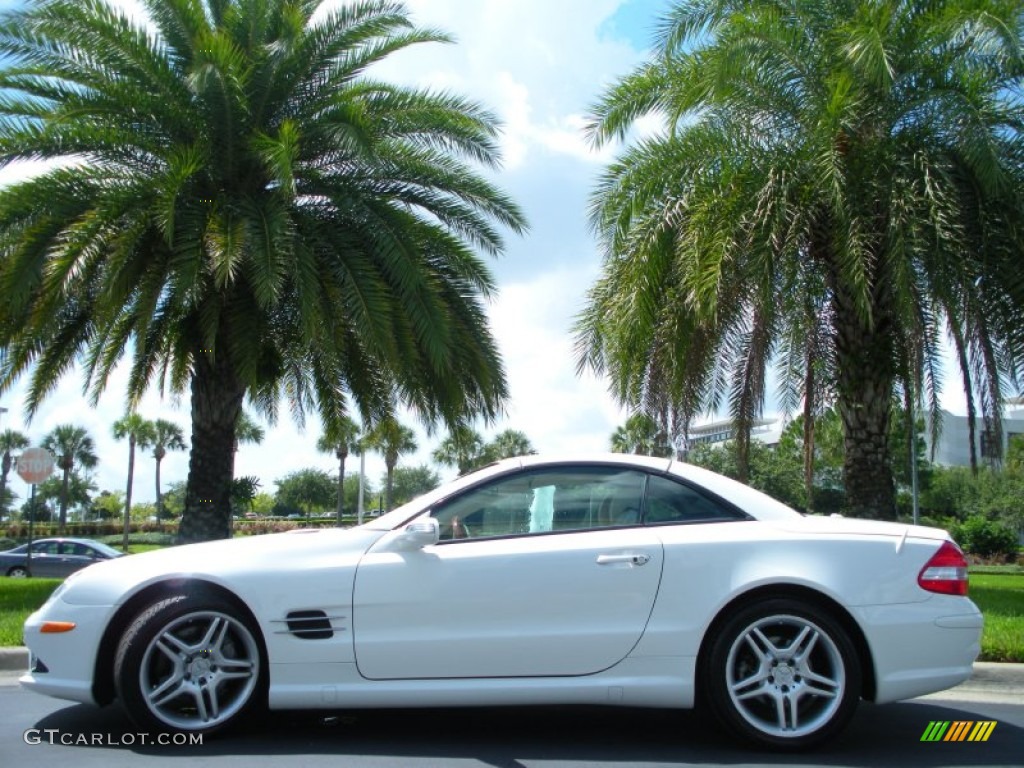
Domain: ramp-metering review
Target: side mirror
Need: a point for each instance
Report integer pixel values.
(419, 534)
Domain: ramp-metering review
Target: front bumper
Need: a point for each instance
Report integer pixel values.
(62, 664)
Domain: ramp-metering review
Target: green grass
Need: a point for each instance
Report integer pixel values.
(1000, 596)
(134, 549)
(18, 598)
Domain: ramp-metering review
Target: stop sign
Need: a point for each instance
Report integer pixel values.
(35, 465)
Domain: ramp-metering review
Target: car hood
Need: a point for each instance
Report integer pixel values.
(113, 581)
(854, 526)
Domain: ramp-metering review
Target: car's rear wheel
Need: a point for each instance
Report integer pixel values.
(191, 664)
(784, 674)
(18, 572)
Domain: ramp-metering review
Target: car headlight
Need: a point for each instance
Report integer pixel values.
(61, 589)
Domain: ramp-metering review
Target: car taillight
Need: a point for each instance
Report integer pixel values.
(946, 572)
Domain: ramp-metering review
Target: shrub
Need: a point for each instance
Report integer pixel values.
(986, 538)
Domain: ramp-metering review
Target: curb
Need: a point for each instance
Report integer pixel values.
(13, 659)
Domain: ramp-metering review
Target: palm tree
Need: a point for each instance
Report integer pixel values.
(247, 430)
(340, 439)
(231, 198)
(139, 432)
(71, 447)
(839, 185)
(167, 436)
(10, 440)
(391, 440)
(462, 448)
(507, 444)
(640, 435)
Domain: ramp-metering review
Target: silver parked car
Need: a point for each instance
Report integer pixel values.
(54, 558)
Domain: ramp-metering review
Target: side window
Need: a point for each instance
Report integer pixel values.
(545, 501)
(45, 548)
(671, 502)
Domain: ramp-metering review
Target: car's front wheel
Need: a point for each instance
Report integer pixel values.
(18, 572)
(190, 664)
(783, 674)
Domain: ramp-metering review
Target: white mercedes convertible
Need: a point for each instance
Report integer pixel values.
(615, 580)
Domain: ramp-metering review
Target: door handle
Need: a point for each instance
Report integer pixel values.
(635, 559)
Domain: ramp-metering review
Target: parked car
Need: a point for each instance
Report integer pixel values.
(617, 580)
(54, 558)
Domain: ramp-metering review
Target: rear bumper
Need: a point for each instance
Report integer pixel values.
(923, 647)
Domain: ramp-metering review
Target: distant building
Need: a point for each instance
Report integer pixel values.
(953, 446)
(767, 431)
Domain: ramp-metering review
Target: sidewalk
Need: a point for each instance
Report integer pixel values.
(990, 680)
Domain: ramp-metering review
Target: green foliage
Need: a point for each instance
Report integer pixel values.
(231, 200)
(306, 491)
(990, 493)
(411, 482)
(641, 434)
(143, 511)
(263, 504)
(838, 186)
(243, 492)
(778, 473)
(75, 494)
(986, 538)
(174, 500)
(11, 443)
(108, 505)
(465, 448)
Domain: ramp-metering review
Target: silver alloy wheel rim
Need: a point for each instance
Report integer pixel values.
(18, 573)
(785, 676)
(199, 670)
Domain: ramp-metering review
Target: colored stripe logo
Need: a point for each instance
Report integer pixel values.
(958, 730)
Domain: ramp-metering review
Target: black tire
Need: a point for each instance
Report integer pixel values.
(18, 572)
(191, 664)
(783, 674)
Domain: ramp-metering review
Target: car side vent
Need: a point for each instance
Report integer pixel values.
(310, 625)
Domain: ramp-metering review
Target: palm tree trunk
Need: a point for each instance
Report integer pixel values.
(159, 496)
(865, 382)
(216, 402)
(62, 520)
(341, 487)
(809, 395)
(5, 467)
(387, 499)
(128, 493)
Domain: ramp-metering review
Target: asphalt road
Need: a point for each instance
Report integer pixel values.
(33, 727)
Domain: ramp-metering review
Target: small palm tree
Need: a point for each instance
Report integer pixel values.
(391, 440)
(341, 439)
(10, 440)
(140, 433)
(640, 435)
(71, 446)
(507, 444)
(167, 436)
(462, 449)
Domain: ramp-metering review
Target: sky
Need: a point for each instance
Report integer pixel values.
(539, 66)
